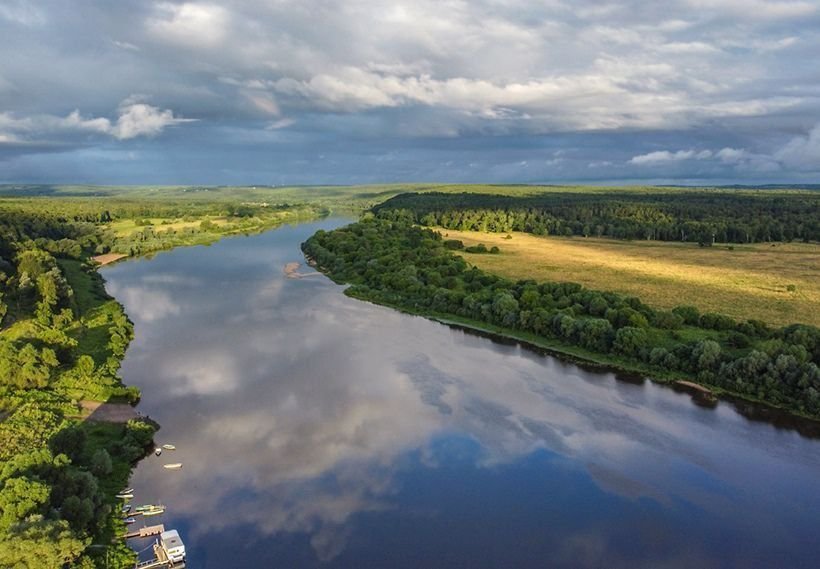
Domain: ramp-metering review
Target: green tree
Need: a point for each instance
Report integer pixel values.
(101, 463)
(630, 341)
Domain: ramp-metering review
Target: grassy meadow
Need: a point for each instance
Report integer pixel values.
(742, 281)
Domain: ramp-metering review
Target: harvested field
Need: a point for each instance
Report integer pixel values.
(777, 283)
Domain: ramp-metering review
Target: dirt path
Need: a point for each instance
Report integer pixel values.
(108, 412)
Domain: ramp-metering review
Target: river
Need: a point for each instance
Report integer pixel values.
(316, 430)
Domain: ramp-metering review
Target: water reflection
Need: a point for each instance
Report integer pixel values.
(316, 430)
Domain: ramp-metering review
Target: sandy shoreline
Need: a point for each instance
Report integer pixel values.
(108, 258)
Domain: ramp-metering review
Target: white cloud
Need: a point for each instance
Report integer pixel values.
(734, 71)
(662, 156)
(801, 153)
(281, 123)
(191, 24)
(135, 119)
(125, 45)
(139, 119)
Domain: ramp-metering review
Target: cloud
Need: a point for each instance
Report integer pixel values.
(139, 119)
(757, 9)
(134, 119)
(802, 152)
(281, 123)
(22, 12)
(191, 24)
(366, 80)
(662, 156)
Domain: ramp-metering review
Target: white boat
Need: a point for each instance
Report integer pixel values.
(129, 521)
(158, 451)
(154, 512)
(124, 496)
(169, 447)
(127, 491)
(173, 466)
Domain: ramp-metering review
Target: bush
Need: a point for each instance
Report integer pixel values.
(667, 320)
(689, 314)
(630, 341)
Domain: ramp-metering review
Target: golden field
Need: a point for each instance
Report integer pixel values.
(777, 283)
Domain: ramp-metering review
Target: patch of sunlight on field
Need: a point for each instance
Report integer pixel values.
(747, 281)
(125, 227)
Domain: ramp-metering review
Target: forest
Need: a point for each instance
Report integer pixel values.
(389, 260)
(62, 339)
(699, 216)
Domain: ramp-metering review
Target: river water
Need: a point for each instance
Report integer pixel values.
(320, 431)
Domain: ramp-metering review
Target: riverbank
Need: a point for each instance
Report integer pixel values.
(61, 348)
(754, 409)
(410, 268)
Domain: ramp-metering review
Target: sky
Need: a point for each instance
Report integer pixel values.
(366, 91)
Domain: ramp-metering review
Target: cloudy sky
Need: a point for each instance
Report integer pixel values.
(360, 91)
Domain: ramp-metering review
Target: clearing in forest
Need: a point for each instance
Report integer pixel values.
(774, 282)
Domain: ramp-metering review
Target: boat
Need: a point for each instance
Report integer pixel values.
(129, 520)
(169, 447)
(158, 451)
(126, 508)
(173, 466)
(154, 512)
(145, 507)
(124, 496)
(173, 546)
(127, 491)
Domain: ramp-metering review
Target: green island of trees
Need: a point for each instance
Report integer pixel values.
(391, 261)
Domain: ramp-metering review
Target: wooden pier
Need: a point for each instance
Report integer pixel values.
(147, 531)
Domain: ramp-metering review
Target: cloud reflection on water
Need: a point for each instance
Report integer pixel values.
(294, 408)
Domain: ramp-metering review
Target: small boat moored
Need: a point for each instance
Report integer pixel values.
(169, 447)
(129, 520)
(126, 508)
(158, 451)
(125, 496)
(154, 512)
(173, 466)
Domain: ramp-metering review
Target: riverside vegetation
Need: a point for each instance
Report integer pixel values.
(62, 339)
(389, 260)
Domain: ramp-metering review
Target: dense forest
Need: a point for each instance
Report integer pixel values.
(390, 261)
(700, 216)
(62, 339)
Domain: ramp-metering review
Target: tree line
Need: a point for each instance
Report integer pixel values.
(394, 262)
(699, 216)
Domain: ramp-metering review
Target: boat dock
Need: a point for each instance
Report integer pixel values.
(147, 531)
(160, 560)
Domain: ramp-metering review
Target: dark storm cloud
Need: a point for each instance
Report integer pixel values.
(364, 91)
